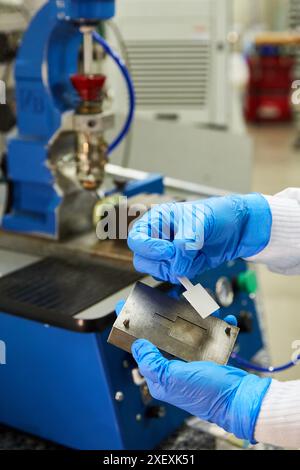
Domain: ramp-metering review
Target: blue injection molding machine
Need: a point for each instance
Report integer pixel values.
(61, 380)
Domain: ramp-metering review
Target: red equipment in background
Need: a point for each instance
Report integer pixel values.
(268, 97)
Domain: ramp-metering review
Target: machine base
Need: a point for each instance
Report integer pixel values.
(61, 380)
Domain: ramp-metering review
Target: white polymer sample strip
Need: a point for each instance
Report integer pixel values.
(199, 298)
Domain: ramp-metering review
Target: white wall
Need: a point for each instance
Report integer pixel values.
(270, 13)
(247, 13)
(33, 5)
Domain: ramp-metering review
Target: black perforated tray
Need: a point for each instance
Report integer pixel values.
(53, 291)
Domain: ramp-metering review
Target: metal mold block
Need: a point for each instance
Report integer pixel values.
(173, 326)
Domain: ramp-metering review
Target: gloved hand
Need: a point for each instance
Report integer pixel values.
(222, 395)
(185, 239)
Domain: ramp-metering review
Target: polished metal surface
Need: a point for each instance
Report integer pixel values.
(91, 151)
(173, 326)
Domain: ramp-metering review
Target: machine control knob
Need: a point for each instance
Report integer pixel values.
(156, 412)
(119, 396)
(88, 87)
(245, 322)
(137, 378)
(224, 292)
(247, 282)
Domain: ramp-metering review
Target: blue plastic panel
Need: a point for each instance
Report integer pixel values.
(60, 385)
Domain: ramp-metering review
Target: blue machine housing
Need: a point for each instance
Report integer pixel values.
(61, 384)
(43, 94)
(87, 10)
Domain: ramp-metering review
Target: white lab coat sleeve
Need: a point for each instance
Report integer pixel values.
(278, 422)
(282, 254)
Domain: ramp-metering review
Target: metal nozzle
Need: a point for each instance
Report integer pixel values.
(90, 159)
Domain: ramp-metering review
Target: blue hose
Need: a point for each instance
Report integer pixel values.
(267, 370)
(125, 73)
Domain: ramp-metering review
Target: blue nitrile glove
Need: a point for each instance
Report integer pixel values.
(222, 395)
(185, 239)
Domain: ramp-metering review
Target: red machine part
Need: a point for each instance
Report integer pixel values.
(89, 87)
(269, 89)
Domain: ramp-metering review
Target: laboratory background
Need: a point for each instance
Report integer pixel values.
(151, 101)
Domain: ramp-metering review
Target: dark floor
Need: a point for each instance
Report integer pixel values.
(184, 439)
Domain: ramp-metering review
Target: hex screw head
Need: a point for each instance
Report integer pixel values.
(119, 396)
(228, 331)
